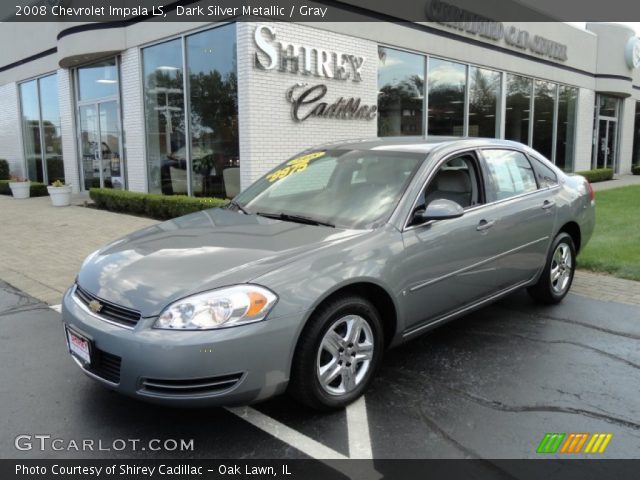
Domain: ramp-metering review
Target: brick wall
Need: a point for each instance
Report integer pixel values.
(268, 135)
(67, 128)
(10, 135)
(133, 120)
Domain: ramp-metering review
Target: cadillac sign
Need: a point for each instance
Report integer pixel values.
(308, 101)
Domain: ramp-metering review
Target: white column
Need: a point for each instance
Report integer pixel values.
(626, 124)
(133, 128)
(584, 130)
(68, 129)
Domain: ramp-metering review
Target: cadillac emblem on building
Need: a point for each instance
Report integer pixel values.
(95, 306)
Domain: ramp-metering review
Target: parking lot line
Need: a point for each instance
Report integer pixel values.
(358, 428)
(286, 434)
(57, 308)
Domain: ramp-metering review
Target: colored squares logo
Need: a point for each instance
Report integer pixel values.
(574, 443)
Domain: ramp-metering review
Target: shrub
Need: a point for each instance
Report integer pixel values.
(4, 169)
(160, 207)
(635, 169)
(597, 175)
(37, 189)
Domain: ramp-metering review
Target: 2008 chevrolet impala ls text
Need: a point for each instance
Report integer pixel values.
(306, 278)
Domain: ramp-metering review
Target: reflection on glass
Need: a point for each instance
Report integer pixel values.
(110, 145)
(518, 108)
(446, 97)
(98, 80)
(165, 118)
(41, 128)
(31, 129)
(544, 103)
(635, 160)
(213, 95)
(608, 106)
(567, 101)
(400, 93)
(51, 128)
(484, 91)
(89, 145)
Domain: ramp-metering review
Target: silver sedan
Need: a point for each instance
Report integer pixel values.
(306, 278)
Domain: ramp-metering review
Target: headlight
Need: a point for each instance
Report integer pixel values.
(225, 307)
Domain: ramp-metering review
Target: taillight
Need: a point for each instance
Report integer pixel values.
(592, 194)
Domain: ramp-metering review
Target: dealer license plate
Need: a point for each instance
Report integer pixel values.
(79, 346)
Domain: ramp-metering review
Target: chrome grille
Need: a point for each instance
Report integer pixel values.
(109, 311)
(194, 386)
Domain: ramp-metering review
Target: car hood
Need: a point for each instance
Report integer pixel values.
(153, 267)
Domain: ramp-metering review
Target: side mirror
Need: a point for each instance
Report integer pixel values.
(441, 209)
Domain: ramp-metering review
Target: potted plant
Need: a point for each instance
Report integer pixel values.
(20, 187)
(60, 194)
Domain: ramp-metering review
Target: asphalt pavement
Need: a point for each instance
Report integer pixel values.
(489, 385)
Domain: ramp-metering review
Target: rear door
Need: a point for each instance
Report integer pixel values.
(522, 203)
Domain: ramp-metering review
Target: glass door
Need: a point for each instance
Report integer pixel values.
(99, 128)
(100, 145)
(606, 148)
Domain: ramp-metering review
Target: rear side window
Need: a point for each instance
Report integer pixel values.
(546, 176)
(509, 174)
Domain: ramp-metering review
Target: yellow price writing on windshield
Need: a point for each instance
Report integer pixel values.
(296, 165)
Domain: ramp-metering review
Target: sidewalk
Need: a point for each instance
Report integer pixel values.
(617, 182)
(42, 248)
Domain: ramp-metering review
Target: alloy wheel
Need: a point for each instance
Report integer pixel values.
(561, 268)
(344, 355)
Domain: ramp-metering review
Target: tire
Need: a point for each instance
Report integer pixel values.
(562, 256)
(325, 345)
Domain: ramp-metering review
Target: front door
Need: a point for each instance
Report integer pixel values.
(607, 145)
(100, 145)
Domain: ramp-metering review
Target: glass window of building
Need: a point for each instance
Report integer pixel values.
(446, 82)
(213, 101)
(518, 108)
(165, 118)
(635, 160)
(484, 91)
(98, 80)
(566, 127)
(42, 139)
(193, 149)
(544, 105)
(400, 93)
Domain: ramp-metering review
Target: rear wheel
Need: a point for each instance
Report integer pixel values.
(337, 354)
(555, 281)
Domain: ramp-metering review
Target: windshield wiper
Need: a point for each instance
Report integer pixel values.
(239, 207)
(288, 217)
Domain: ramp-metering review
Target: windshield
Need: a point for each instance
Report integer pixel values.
(346, 188)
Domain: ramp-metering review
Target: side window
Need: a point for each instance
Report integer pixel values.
(456, 180)
(510, 174)
(546, 177)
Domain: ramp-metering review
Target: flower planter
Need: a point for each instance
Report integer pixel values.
(60, 196)
(20, 189)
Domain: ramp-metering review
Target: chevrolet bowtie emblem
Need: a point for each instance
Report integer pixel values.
(95, 306)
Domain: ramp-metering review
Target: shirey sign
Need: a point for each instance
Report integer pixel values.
(308, 101)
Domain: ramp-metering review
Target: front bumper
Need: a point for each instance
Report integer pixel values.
(237, 365)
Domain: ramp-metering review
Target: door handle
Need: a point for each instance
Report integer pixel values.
(548, 204)
(485, 225)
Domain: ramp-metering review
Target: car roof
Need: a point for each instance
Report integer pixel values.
(418, 145)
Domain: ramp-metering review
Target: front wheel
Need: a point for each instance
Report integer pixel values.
(337, 354)
(555, 281)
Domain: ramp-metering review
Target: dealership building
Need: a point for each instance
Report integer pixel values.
(206, 109)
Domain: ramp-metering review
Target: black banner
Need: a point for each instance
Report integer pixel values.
(459, 11)
(316, 469)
